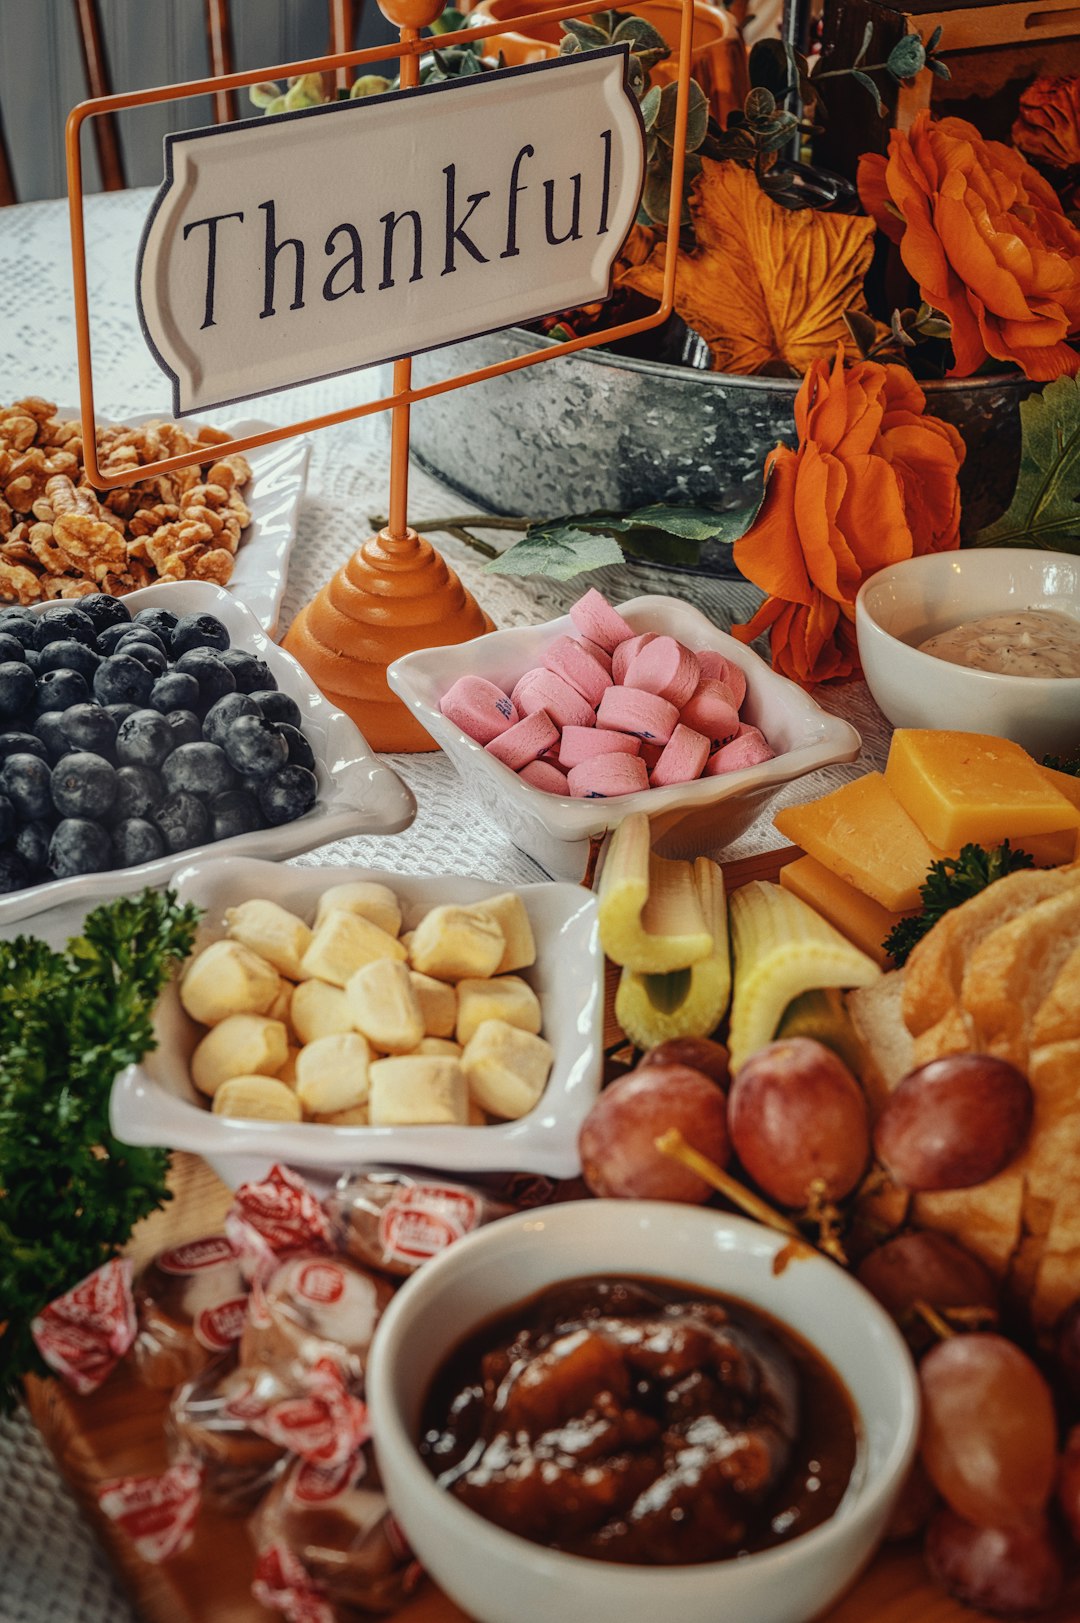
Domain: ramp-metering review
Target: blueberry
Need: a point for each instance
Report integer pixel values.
(16, 611)
(65, 654)
(59, 690)
(161, 622)
(11, 649)
(79, 846)
(186, 727)
(23, 744)
(221, 715)
(121, 712)
(176, 690)
(25, 781)
(23, 630)
(122, 680)
(8, 819)
(18, 686)
(150, 654)
(214, 678)
(288, 794)
(255, 747)
(198, 631)
(104, 611)
(33, 659)
(139, 792)
(32, 845)
(110, 636)
(89, 727)
(144, 739)
(83, 785)
(136, 840)
(201, 769)
(252, 675)
(183, 820)
(278, 706)
(14, 873)
(235, 812)
(50, 736)
(64, 623)
(300, 751)
(144, 634)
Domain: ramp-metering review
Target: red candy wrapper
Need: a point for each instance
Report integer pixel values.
(396, 1221)
(84, 1334)
(156, 1512)
(325, 1425)
(282, 1583)
(283, 1211)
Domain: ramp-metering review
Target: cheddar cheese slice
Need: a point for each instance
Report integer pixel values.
(961, 787)
(862, 834)
(857, 916)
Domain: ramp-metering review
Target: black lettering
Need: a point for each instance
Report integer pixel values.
(456, 233)
(354, 258)
(605, 196)
(574, 233)
(211, 223)
(391, 222)
(512, 250)
(273, 248)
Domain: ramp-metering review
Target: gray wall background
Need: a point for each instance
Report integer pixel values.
(148, 42)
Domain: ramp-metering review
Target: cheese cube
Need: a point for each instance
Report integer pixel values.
(861, 833)
(961, 787)
(417, 1090)
(507, 998)
(509, 913)
(865, 922)
(345, 942)
(256, 1098)
(451, 943)
(239, 1046)
(319, 1010)
(227, 978)
(1048, 850)
(273, 932)
(384, 1006)
(332, 1073)
(506, 1069)
(363, 896)
(438, 1004)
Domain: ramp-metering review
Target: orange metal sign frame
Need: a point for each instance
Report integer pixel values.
(410, 47)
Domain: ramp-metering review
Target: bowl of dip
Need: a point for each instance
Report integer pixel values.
(986, 640)
(790, 1418)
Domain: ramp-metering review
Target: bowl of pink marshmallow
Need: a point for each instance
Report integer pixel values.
(561, 730)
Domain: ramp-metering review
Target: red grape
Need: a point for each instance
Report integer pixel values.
(913, 1509)
(989, 1436)
(796, 1114)
(954, 1123)
(700, 1053)
(617, 1143)
(1067, 1348)
(927, 1267)
(1069, 1483)
(1001, 1569)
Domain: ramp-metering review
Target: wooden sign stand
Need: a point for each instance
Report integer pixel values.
(396, 594)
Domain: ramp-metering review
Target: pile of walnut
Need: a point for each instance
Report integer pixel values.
(58, 538)
(351, 1023)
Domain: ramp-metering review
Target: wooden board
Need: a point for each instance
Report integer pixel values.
(119, 1430)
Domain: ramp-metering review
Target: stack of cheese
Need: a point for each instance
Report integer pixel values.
(870, 843)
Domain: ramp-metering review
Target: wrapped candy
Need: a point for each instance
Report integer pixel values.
(190, 1301)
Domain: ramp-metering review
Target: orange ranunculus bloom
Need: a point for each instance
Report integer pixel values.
(873, 480)
(1048, 125)
(986, 239)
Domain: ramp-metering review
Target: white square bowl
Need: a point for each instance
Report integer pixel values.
(689, 819)
(357, 793)
(156, 1102)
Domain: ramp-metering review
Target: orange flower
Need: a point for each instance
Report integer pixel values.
(1048, 125)
(986, 239)
(873, 480)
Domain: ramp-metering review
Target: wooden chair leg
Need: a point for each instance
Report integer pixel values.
(222, 60)
(106, 137)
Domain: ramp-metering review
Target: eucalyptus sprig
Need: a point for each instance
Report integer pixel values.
(907, 329)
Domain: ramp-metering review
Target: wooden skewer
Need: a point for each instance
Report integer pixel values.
(672, 1143)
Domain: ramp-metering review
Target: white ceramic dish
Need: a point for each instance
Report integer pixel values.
(688, 818)
(278, 478)
(915, 599)
(155, 1102)
(357, 793)
(497, 1577)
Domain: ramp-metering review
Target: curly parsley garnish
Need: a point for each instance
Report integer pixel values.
(949, 882)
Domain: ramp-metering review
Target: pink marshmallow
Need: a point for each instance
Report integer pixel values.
(650, 754)
(719, 668)
(479, 708)
(666, 668)
(645, 715)
(585, 675)
(625, 652)
(607, 775)
(601, 655)
(543, 690)
(596, 619)
(586, 743)
(525, 741)
(684, 756)
(749, 748)
(710, 711)
(541, 775)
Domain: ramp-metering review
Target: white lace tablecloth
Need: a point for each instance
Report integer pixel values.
(50, 1569)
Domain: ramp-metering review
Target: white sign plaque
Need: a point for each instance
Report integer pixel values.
(285, 249)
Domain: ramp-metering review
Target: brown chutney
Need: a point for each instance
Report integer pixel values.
(643, 1421)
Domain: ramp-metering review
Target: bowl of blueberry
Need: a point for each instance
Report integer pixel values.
(138, 732)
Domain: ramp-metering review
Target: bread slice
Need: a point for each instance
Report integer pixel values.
(876, 1013)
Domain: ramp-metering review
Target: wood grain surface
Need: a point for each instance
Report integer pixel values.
(119, 1430)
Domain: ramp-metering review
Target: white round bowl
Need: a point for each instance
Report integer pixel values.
(909, 601)
(498, 1577)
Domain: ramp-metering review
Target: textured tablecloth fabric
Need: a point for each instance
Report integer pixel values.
(50, 1569)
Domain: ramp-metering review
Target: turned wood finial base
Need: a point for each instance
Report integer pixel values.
(394, 595)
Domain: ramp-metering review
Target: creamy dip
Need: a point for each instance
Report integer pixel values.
(1032, 642)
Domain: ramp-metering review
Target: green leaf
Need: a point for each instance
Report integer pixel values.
(650, 107)
(1045, 508)
(691, 523)
(588, 37)
(868, 34)
(938, 67)
(697, 118)
(770, 67)
(868, 84)
(760, 105)
(449, 22)
(558, 548)
(862, 328)
(907, 57)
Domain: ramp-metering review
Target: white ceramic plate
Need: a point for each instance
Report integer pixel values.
(357, 793)
(689, 819)
(156, 1103)
(278, 478)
